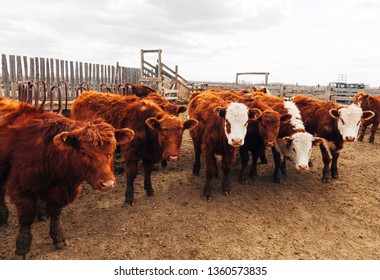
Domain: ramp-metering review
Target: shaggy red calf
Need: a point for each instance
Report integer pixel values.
(368, 102)
(221, 130)
(335, 123)
(45, 156)
(158, 135)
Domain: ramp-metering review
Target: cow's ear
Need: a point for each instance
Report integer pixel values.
(366, 115)
(64, 139)
(285, 118)
(287, 140)
(190, 124)
(365, 96)
(317, 141)
(124, 135)
(153, 123)
(220, 111)
(334, 113)
(181, 109)
(254, 114)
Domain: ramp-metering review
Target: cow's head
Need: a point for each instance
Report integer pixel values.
(348, 120)
(236, 116)
(298, 146)
(170, 130)
(269, 126)
(93, 145)
(174, 109)
(361, 99)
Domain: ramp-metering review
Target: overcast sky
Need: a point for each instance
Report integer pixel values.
(298, 41)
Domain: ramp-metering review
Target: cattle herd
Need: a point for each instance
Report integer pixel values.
(45, 156)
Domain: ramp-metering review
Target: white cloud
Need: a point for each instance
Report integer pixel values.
(295, 40)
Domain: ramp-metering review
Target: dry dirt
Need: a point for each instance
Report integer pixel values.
(302, 218)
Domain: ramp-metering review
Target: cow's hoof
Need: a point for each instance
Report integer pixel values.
(227, 193)
(335, 176)
(150, 192)
(60, 245)
(371, 140)
(325, 180)
(277, 180)
(129, 201)
(243, 180)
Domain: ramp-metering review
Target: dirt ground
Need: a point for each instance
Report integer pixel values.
(302, 218)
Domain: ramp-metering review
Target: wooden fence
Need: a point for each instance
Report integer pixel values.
(20, 69)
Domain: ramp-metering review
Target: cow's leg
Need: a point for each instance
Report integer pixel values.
(326, 164)
(147, 165)
(26, 212)
(244, 158)
(197, 159)
(283, 168)
(216, 168)
(258, 150)
(56, 230)
(363, 128)
(263, 157)
(277, 166)
(132, 170)
(334, 164)
(4, 212)
(374, 127)
(227, 162)
(210, 173)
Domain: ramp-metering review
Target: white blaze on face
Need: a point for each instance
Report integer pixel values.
(349, 122)
(299, 148)
(236, 123)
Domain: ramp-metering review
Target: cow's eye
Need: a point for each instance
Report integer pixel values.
(342, 121)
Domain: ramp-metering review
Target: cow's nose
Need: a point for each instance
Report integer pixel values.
(172, 158)
(269, 143)
(109, 184)
(350, 138)
(237, 141)
(303, 167)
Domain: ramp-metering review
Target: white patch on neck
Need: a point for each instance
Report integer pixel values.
(296, 120)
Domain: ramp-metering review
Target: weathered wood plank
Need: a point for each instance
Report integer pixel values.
(26, 76)
(52, 76)
(12, 72)
(58, 78)
(19, 69)
(5, 75)
(72, 83)
(32, 70)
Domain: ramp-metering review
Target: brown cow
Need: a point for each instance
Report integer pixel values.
(158, 135)
(221, 130)
(368, 102)
(139, 90)
(45, 156)
(335, 123)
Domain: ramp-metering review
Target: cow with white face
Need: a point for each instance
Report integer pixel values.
(236, 116)
(348, 120)
(333, 122)
(221, 130)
